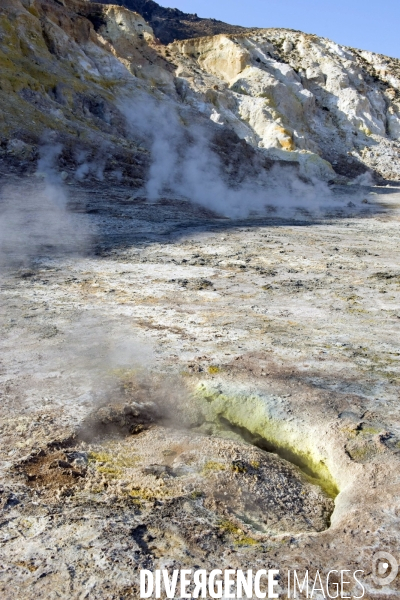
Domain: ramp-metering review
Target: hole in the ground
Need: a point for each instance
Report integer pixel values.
(127, 450)
(261, 421)
(118, 419)
(145, 400)
(143, 406)
(134, 418)
(327, 485)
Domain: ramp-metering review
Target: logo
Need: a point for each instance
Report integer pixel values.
(384, 568)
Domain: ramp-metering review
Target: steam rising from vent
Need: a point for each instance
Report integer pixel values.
(34, 217)
(94, 167)
(184, 164)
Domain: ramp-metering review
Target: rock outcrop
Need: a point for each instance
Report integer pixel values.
(332, 111)
(290, 92)
(170, 24)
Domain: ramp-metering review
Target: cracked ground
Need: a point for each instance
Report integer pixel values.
(186, 390)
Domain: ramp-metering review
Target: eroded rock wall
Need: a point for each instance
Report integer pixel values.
(171, 24)
(301, 98)
(331, 112)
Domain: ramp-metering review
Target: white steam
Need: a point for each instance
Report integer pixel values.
(91, 166)
(184, 164)
(34, 216)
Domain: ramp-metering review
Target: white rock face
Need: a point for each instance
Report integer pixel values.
(310, 99)
(333, 110)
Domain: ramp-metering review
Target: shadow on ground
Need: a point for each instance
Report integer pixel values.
(118, 218)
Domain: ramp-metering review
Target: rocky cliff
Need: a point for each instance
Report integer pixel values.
(263, 95)
(170, 24)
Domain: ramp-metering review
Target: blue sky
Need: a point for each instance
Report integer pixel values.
(366, 24)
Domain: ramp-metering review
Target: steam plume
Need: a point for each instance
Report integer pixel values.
(184, 164)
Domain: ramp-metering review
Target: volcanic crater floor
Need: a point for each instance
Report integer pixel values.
(198, 392)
